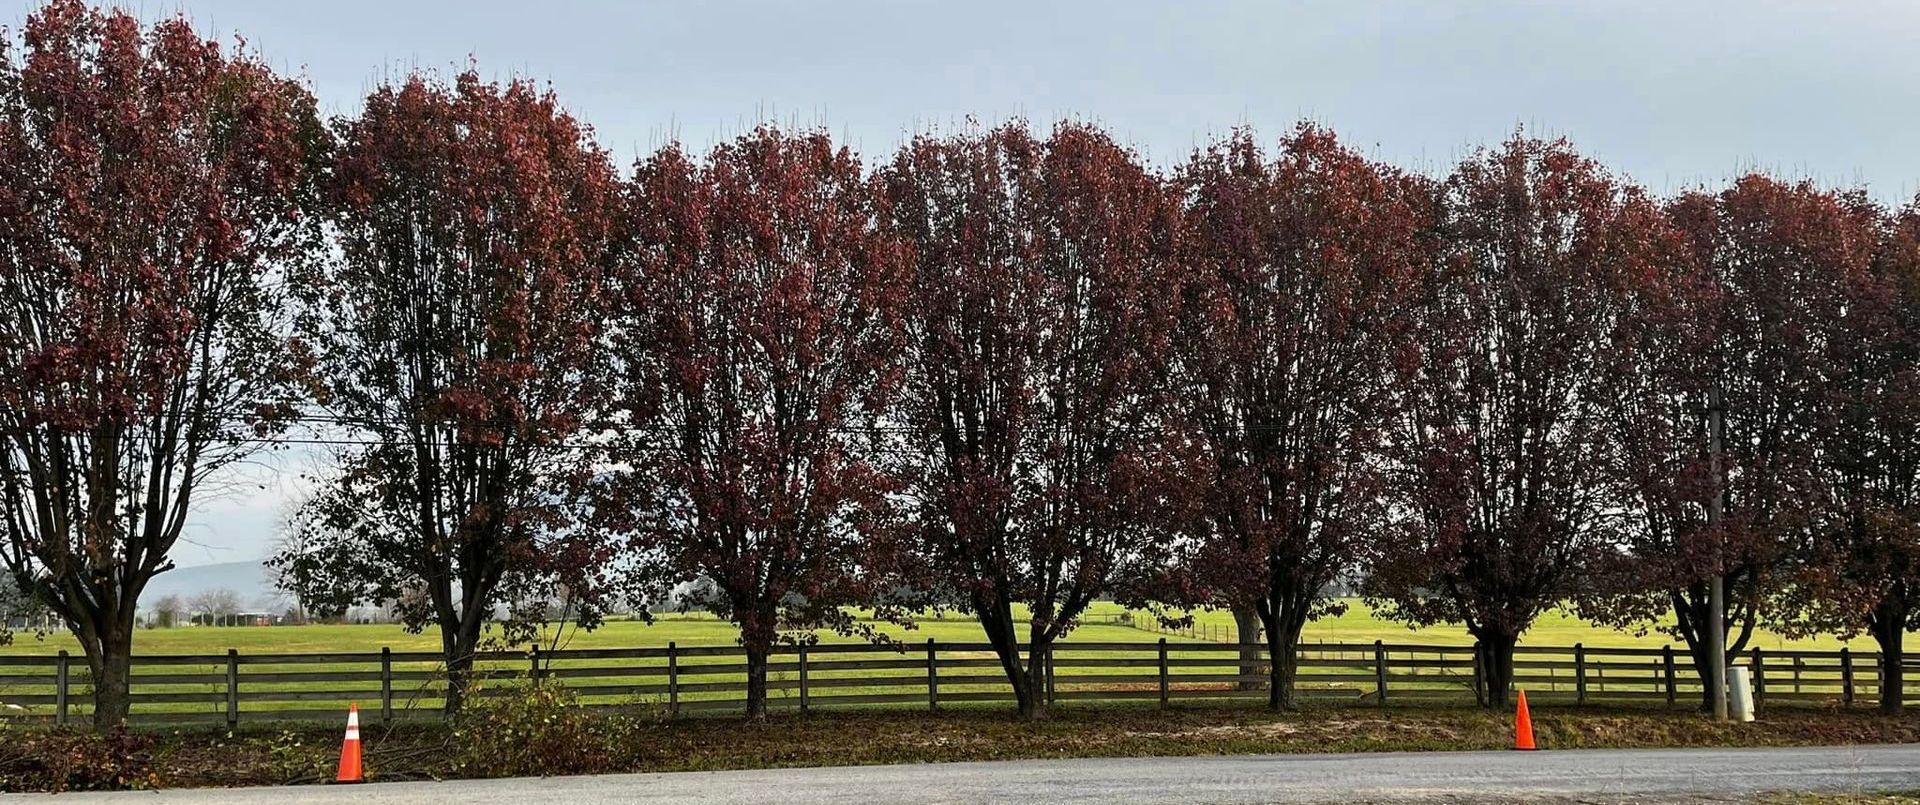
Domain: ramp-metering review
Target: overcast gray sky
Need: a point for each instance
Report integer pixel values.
(1672, 94)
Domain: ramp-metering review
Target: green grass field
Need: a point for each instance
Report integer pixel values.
(1107, 623)
(1357, 625)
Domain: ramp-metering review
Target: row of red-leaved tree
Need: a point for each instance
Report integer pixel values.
(1006, 372)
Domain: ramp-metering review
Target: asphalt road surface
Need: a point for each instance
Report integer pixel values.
(1627, 775)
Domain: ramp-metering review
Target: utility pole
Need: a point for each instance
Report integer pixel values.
(1717, 597)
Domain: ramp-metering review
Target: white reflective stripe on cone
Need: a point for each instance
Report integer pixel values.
(353, 719)
(353, 733)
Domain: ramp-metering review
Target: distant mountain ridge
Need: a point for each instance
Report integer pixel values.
(252, 580)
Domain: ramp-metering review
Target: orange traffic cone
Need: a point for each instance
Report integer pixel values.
(1523, 726)
(350, 771)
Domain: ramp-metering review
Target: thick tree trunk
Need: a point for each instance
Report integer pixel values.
(1033, 704)
(1246, 628)
(756, 682)
(1496, 667)
(1690, 615)
(109, 653)
(459, 641)
(996, 619)
(758, 616)
(1703, 668)
(1023, 700)
(459, 680)
(1283, 646)
(1889, 630)
(758, 631)
(1283, 615)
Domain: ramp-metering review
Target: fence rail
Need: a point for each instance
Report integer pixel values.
(673, 679)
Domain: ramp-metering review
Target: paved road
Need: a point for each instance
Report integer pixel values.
(1690, 775)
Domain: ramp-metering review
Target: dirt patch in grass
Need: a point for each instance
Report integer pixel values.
(186, 758)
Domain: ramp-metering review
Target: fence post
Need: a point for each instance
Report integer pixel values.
(60, 690)
(233, 688)
(933, 677)
(386, 685)
(803, 678)
(1846, 677)
(1666, 665)
(1759, 678)
(1479, 678)
(1380, 671)
(533, 666)
(1163, 672)
(1580, 673)
(1049, 667)
(673, 679)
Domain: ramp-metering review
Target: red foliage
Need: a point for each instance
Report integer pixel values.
(461, 331)
(1859, 567)
(1301, 275)
(1750, 302)
(154, 190)
(1039, 316)
(1782, 257)
(759, 331)
(1502, 487)
(1007, 373)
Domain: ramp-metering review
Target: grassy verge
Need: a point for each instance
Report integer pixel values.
(556, 739)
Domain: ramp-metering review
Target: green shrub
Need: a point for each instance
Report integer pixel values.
(290, 758)
(534, 730)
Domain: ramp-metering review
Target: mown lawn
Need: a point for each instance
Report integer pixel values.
(1357, 625)
(199, 689)
(686, 630)
(258, 679)
(1555, 628)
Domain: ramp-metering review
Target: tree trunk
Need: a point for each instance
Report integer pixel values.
(1690, 614)
(1703, 668)
(757, 682)
(759, 629)
(1033, 704)
(1016, 672)
(996, 619)
(1283, 646)
(1496, 667)
(1246, 627)
(459, 641)
(459, 677)
(109, 664)
(1889, 630)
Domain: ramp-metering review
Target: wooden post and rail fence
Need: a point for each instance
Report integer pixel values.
(672, 679)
